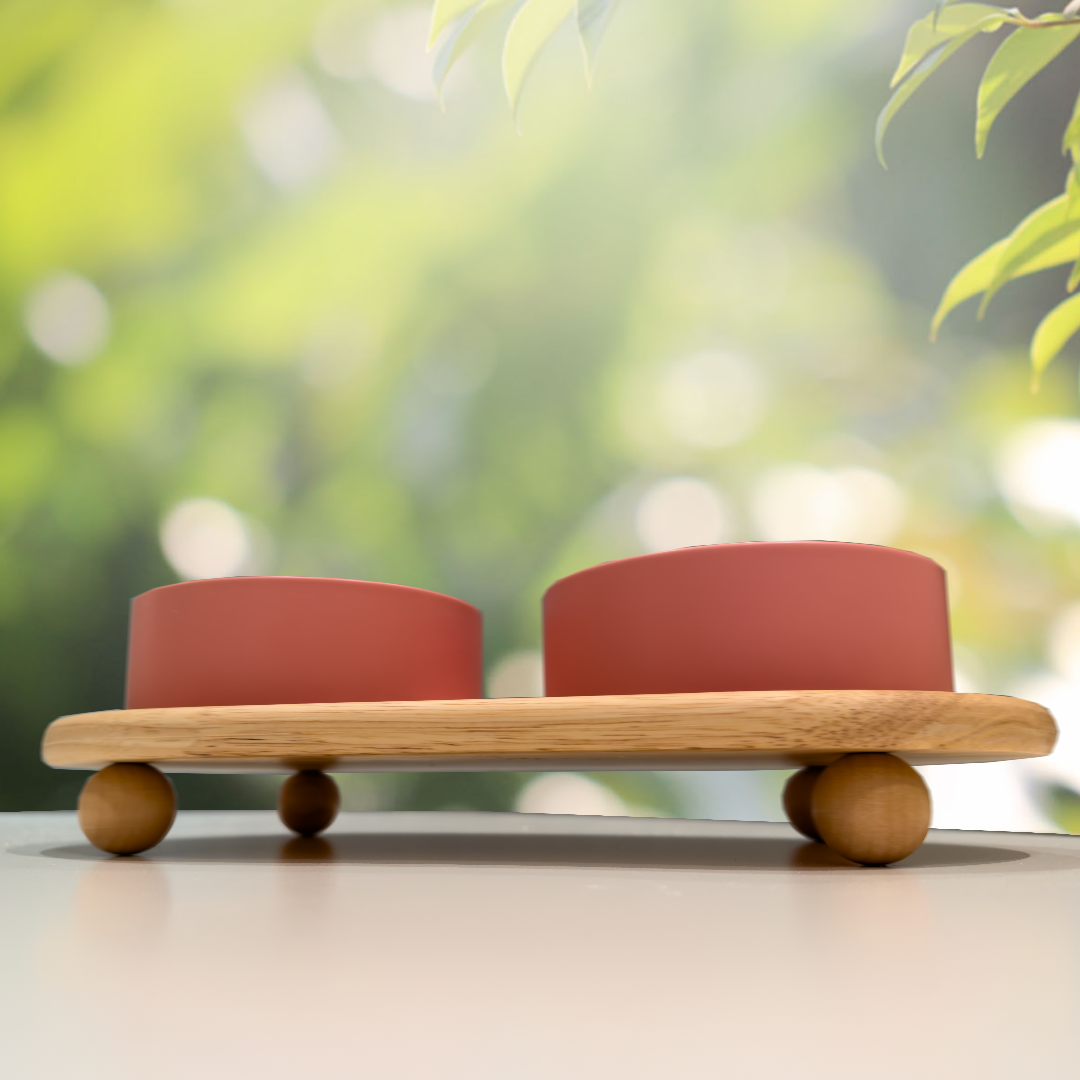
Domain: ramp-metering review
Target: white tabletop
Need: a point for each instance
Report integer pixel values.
(515, 947)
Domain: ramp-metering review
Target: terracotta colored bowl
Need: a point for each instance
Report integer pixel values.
(762, 616)
(293, 640)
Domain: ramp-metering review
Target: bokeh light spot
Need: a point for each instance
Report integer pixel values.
(712, 399)
(569, 793)
(397, 54)
(340, 39)
(288, 131)
(206, 538)
(682, 512)
(517, 674)
(1063, 645)
(67, 318)
(803, 502)
(1038, 471)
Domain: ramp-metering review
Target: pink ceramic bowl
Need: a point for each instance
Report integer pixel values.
(761, 616)
(293, 640)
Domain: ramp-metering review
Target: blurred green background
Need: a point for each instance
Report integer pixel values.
(264, 308)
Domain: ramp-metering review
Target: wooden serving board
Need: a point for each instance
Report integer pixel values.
(745, 730)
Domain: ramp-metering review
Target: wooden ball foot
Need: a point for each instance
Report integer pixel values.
(127, 808)
(308, 802)
(871, 808)
(797, 801)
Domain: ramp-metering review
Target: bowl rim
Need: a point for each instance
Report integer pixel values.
(264, 579)
(683, 552)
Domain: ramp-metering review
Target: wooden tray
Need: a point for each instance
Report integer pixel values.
(745, 730)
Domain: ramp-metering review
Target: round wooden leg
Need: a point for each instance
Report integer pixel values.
(797, 801)
(127, 808)
(871, 808)
(308, 802)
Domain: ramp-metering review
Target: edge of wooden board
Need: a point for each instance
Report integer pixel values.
(746, 729)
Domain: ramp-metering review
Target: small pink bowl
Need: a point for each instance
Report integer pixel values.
(760, 616)
(296, 640)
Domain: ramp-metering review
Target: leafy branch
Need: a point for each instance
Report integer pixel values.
(456, 24)
(1047, 237)
(1050, 235)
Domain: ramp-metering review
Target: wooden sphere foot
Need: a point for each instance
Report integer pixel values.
(127, 808)
(871, 808)
(797, 793)
(308, 802)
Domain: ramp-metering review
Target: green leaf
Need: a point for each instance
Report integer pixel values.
(969, 282)
(1074, 276)
(938, 27)
(1022, 55)
(1071, 139)
(1052, 334)
(919, 74)
(1072, 193)
(940, 5)
(1072, 210)
(1047, 228)
(444, 13)
(530, 31)
(460, 34)
(592, 20)
(977, 275)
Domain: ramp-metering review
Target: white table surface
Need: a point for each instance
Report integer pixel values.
(514, 947)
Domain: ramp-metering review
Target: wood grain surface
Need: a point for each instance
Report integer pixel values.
(745, 730)
(127, 808)
(873, 809)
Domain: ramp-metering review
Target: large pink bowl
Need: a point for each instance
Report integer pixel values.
(293, 640)
(759, 616)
